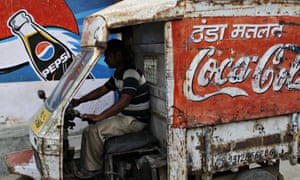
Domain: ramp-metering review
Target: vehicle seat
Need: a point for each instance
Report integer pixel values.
(129, 142)
(142, 143)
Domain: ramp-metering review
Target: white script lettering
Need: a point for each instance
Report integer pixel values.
(262, 79)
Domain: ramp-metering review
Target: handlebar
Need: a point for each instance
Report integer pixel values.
(71, 114)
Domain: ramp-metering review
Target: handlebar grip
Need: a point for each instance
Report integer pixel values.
(88, 120)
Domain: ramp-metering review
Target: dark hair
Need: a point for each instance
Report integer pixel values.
(116, 45)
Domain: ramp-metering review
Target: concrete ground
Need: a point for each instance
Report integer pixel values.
(289, 172)
(13, 177)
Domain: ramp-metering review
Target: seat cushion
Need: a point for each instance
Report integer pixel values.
(129, 142)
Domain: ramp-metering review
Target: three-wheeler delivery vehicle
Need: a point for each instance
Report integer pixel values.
(225, 91)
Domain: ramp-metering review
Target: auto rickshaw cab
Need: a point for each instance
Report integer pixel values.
(224, 82)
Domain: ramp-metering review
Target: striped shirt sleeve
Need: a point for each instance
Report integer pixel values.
(131, 82)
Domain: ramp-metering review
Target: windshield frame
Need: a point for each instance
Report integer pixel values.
(77, 72)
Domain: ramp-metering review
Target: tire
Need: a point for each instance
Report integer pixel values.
(257, 174)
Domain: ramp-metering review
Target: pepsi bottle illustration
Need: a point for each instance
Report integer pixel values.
(49, 57)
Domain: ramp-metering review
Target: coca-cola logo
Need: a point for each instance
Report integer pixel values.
(228, 74)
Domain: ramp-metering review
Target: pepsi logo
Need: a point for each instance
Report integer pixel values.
(44, 51)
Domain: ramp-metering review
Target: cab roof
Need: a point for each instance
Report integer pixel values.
(132, 12)
(129, 12)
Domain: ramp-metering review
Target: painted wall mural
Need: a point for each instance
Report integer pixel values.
(235, 69)
(39, 39)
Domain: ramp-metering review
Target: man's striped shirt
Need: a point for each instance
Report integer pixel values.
(133, 82)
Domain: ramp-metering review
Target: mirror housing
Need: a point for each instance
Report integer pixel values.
(42, 94)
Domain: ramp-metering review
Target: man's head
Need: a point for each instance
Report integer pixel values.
(116, 54)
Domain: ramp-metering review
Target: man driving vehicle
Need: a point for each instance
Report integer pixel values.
(130, 113)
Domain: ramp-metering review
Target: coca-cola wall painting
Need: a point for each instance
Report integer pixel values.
(235, 68)
(39, 39)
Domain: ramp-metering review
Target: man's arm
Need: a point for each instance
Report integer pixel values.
(123, 101)
(95, 94)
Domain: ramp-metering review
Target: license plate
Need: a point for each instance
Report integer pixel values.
(40, 121)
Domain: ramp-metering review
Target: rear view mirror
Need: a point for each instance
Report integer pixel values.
(42, 95)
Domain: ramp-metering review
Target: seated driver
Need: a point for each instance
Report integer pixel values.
(130, 113)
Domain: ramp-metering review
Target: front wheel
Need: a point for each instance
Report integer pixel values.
(257, 174)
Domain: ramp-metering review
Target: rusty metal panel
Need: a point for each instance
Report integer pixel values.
(235, 68)
(132, 12)
(241, 8)
(176, 146)
(23, 163)
(225, 147)
(94, 31)
(177, 154)
(52, 157)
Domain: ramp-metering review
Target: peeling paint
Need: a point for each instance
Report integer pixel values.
(23, 163)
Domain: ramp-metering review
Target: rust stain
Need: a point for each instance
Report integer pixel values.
(248, 2)
(252, 142)
(288, 23)
(260, 141)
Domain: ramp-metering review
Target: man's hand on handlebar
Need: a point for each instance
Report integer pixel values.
(90, 118)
